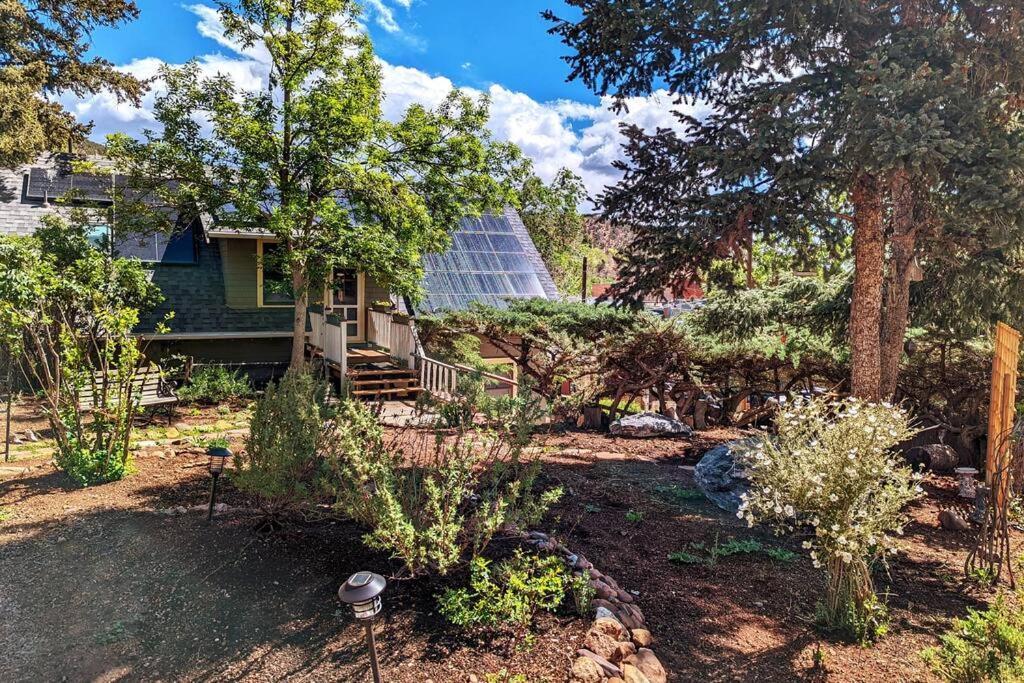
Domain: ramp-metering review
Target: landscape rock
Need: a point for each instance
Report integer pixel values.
(644, 425)
(720, 478)
(642, 637)
(951, 521)
(607, 667)
(586, 670)
(630, 674)
(610, 627)
(600, 643)
(937, 457)
(604, 613)
(622, 651)
(649, 665)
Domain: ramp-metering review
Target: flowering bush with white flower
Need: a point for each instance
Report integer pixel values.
(831, 470)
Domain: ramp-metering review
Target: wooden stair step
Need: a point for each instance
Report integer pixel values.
(378, 392)
(389, 380)
(390, 371)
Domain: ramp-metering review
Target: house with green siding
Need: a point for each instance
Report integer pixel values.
(231, 307)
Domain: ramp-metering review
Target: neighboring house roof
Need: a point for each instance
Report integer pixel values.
(492, 259)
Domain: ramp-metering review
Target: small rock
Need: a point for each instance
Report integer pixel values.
(603, 590)
(182, 426)
(622, 651)
(609, 626)
(720, 477)
(642, 638)
(599, 603)
(951, 521)
(146, 444)
(607, 667)
(644, 425)
(172, 433)
(630, 674)
(61, 539)
(586, 670)
(615, 679)
(604, 613)
(539, 535)
(649, 665)
(31, 436)
(601, 643)
(623, 596)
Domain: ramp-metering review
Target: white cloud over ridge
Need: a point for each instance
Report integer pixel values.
(582, 137)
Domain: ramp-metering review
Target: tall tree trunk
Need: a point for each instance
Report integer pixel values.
(896, 312)
(866, 309)
(299, 321)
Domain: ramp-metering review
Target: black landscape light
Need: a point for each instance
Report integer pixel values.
(218, 456)
(362, 591)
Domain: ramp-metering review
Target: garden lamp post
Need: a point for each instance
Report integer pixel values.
(218, 456)
(362, 591)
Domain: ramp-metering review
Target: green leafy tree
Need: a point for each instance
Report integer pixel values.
(311, 159)
(43, 46)
(551, 215)
(896, 122)
(67, 313)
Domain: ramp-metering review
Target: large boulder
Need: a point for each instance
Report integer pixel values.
(720, 477)
(644, 425)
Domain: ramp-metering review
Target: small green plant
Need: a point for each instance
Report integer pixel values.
(217, 442)
(736, 546)
(591, 508)
(583, 593)
(634, 516)
(678, 495)
(504, 676)
(780, 554)
(5, 514)
(985, 646)
(983, 576)
(211, 384)
(508, 592)
(683, 557)
(819, 658)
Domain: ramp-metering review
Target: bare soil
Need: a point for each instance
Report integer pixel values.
(97, 585)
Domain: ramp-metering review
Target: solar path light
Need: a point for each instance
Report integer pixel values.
(218, 456)
(362, 591)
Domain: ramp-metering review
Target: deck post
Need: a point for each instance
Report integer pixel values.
(343, 337)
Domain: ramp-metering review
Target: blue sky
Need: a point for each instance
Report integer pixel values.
(426, 47)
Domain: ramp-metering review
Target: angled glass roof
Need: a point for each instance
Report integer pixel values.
(491, 259)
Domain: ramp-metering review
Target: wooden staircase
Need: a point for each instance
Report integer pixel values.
(379, 381)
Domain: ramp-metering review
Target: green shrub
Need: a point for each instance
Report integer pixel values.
(430, 499)
(283, 457)
(507, 593)
(985, 646)
(831, 469)
(89, 467)
(215, 383)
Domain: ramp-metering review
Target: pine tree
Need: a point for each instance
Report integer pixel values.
(43, 46)
(896, 121)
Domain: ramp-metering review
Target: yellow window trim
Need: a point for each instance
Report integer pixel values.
(259, 276)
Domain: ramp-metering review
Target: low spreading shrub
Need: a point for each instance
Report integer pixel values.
(831, 469)
(509, 592)
(985, 646)
(89, 467)
(282, 462)
(215, 383)
(431, 498)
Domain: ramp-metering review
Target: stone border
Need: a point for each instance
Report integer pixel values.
(617, 648)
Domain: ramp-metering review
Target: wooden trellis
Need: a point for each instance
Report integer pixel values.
(1001, 410)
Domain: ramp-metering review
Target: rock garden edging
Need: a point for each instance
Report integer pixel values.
(617, 648)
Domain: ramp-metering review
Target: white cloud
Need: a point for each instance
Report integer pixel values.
(580, 136)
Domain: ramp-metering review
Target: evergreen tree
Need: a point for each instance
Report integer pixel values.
(896, 121)
(43, 45)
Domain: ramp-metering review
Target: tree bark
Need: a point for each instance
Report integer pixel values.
(298, 358)
(866, 308)
(896, 309)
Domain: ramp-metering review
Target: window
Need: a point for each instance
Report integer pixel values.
(274, 283)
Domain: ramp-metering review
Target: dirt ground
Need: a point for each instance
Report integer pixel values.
(99, 585)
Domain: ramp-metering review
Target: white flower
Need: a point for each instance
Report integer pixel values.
(835, 527)
(789, 511)
(833, 497)
(841, 540)
(817, 564)
(816, 521)
(806, 545)
(846, 557)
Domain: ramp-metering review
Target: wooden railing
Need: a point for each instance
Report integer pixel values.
(332, 340)
(442, 379)
(397, 336)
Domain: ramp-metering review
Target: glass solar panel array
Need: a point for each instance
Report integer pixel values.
(489, 261)
(49, 184)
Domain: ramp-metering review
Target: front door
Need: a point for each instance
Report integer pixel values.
(347, 301)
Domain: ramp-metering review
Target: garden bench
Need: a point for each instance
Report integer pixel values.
(148, 386)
